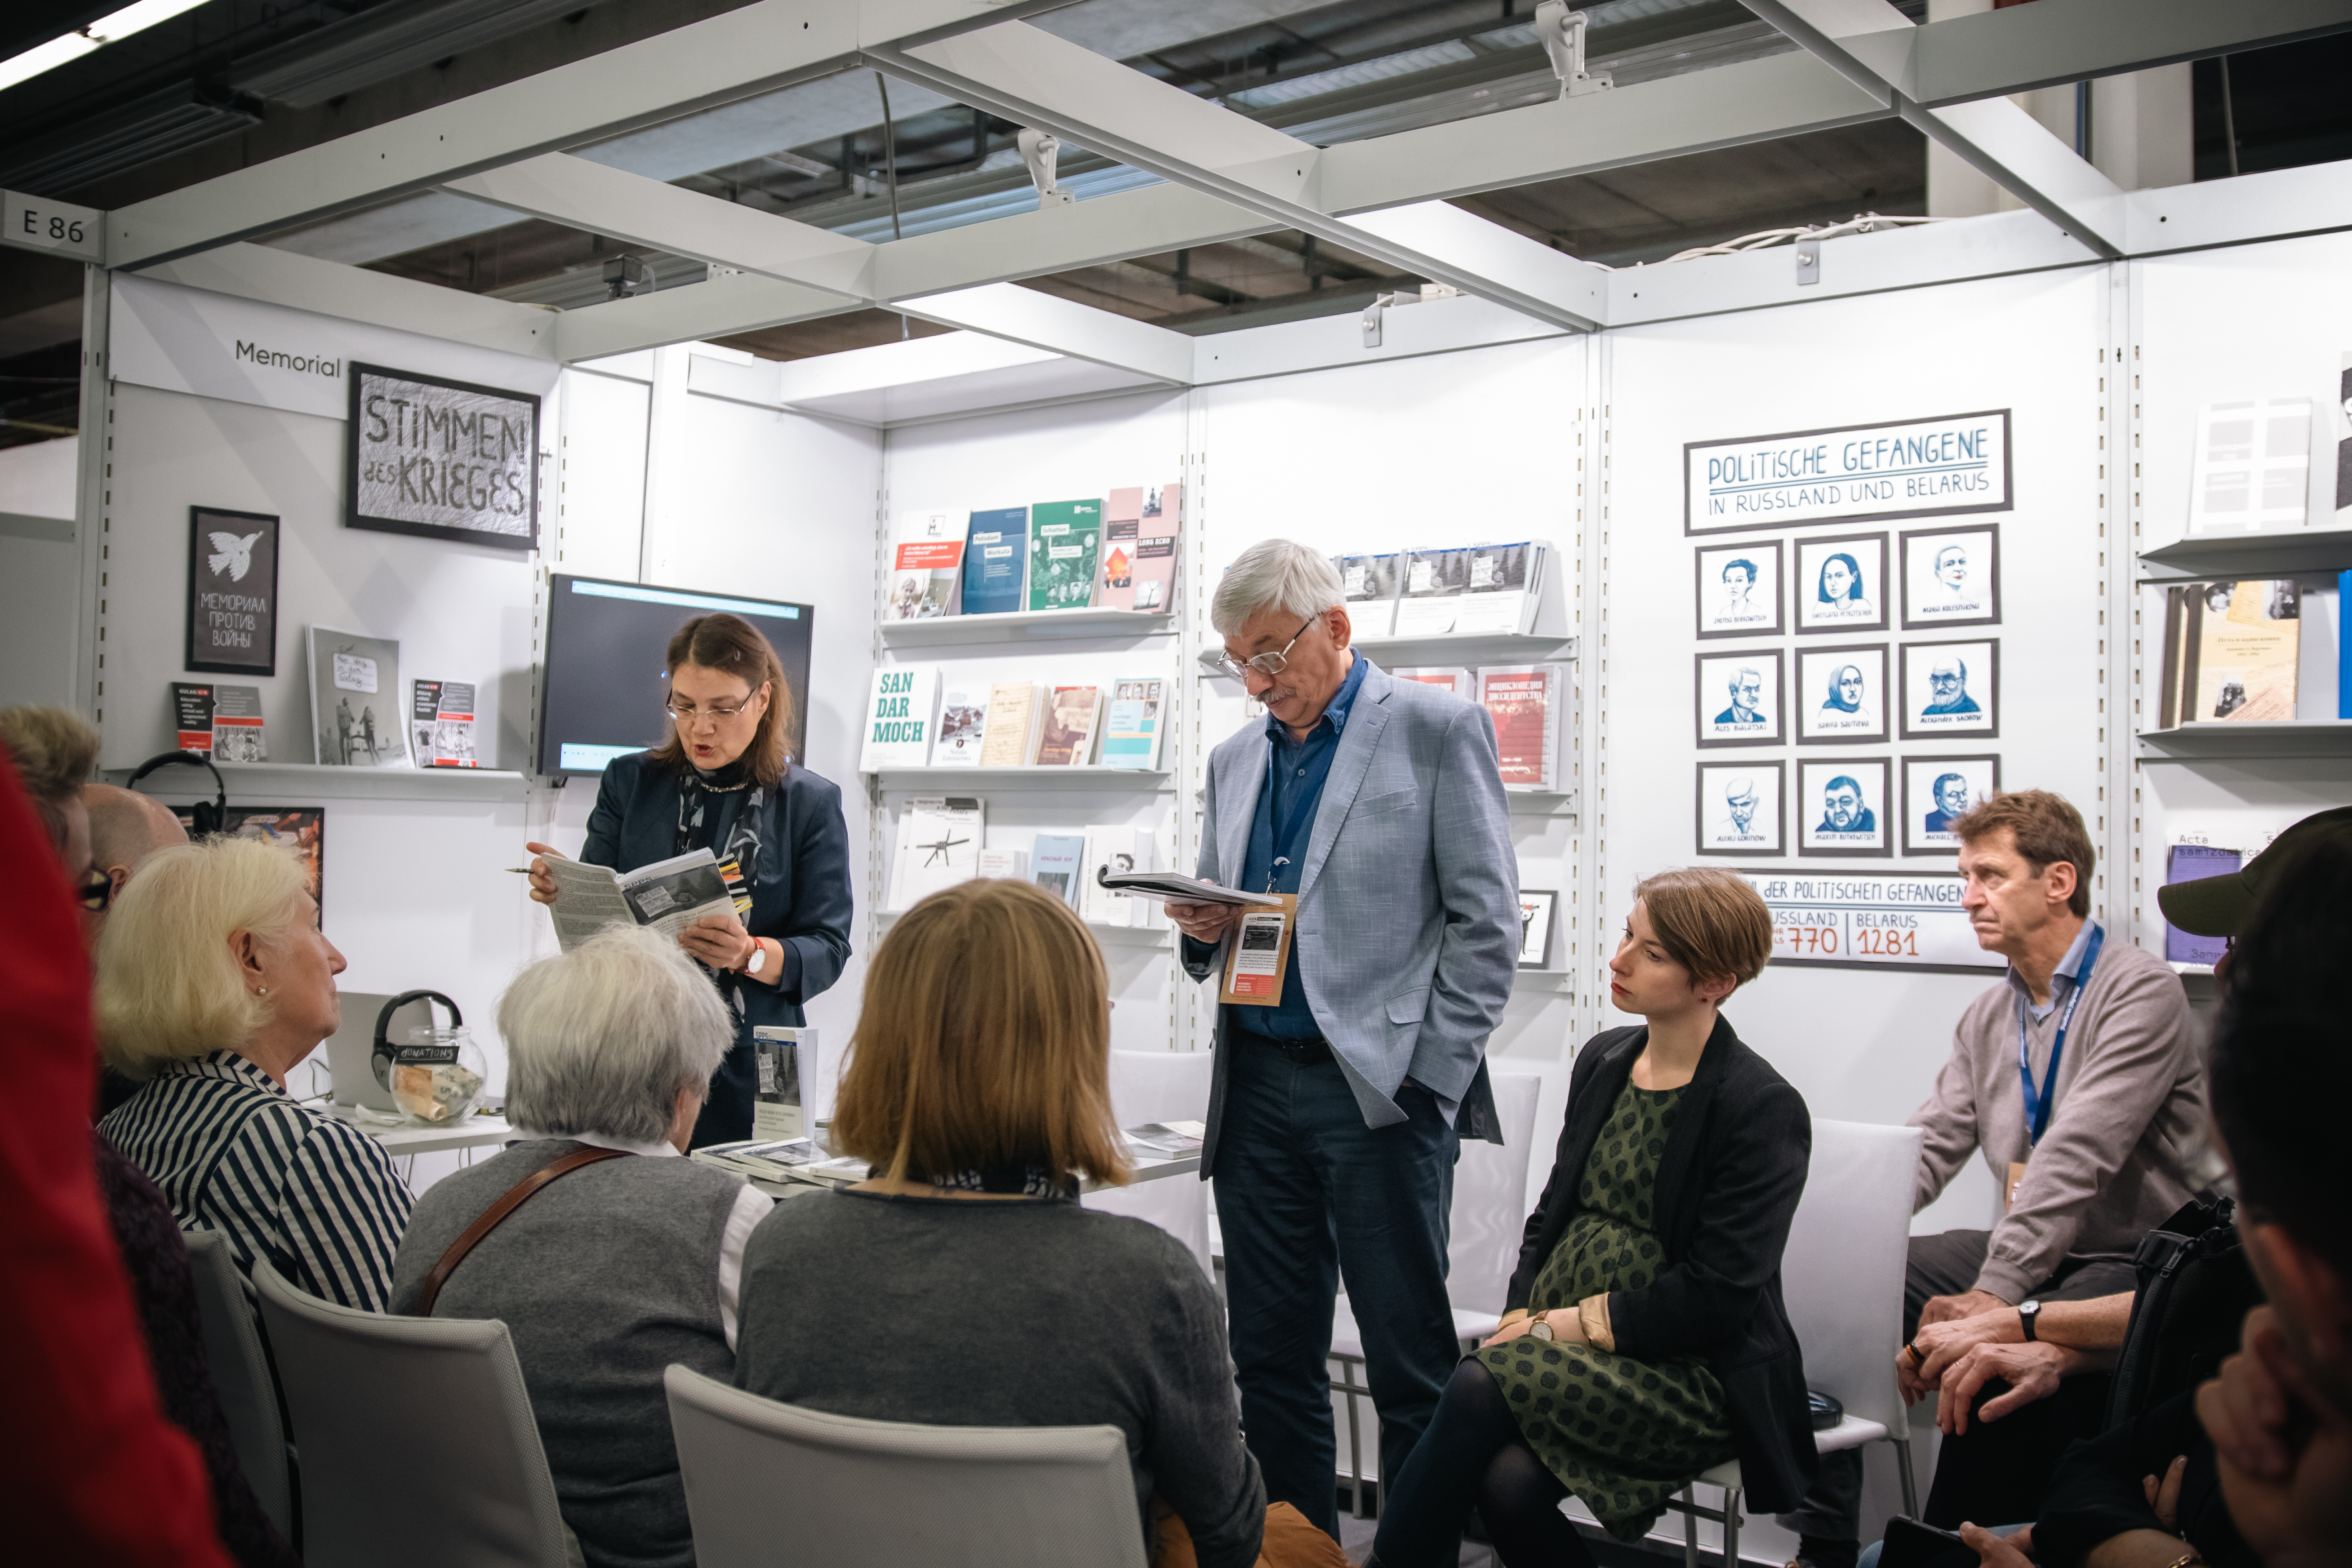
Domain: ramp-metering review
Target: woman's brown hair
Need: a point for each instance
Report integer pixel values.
(983, 1043)
(1710, 921)
(734, 645)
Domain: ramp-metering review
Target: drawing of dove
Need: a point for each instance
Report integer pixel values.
(233, 555)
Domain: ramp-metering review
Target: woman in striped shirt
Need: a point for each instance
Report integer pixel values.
(214, 979)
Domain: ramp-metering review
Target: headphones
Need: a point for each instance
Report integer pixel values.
(380, 1058)
(209, 818)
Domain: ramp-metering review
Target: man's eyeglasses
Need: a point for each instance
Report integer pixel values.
(96, 893)
(1268, 664)
(687, 713)
(1936, 680)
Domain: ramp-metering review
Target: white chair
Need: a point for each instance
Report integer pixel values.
(241, 1376)
(769, 1483)
(1487, 1219)
(1841, 1278)
(416, 1437)
(1162, 1085)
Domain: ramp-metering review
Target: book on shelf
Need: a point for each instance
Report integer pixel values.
(441, 724)
(995, 561)
(1505, 582)
(939, 845)
(1122, 538)
(1137, 724)
(786, 1070)
(2251, 468)
(1368, 586)
(1065, 541)
(240, 736)
(1430, 598)
(666, 896)
(2231, 651)
(1066, 738)
(1118, 851)
(1005, 864)
(1014, 710)
(192, 716)
(356, 718)
(1054, 863)
(1454, 680)
(963, 724)
(926, 566)
(898, 717)
(2344, 641)
(2190, 863)
(1526, 702)
(1155, 550)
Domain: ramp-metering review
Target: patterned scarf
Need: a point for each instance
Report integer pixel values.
(698, 823)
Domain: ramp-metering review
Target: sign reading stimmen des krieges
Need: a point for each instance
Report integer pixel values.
(1956, 464)
(446, 459)
(1870, 922)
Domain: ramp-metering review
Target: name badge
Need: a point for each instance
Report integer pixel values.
(1258, 957)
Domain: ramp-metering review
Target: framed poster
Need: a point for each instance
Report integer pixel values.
(1855, 919)
(1739, 589)
(1538, 911)
(1739, 699)
(1859, 473)
(1739, 808)
(1935, 791)
(445, 459)
(302, 828)
(1842, 583)
(1841, 694)
(1951, 577)
(1842, 806)
(232, 592)
(1951, 688)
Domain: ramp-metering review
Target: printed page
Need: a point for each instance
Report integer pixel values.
(670, 895)
(587, 900)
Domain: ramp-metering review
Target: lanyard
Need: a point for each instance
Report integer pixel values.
(2038, 1106)
(1285, 832)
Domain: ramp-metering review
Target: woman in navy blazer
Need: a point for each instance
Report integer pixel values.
(724, 782)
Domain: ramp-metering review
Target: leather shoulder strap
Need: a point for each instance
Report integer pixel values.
(493, 1216)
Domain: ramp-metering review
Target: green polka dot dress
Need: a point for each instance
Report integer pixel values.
(1622, 1435)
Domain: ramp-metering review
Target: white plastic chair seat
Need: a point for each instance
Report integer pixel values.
(1348, 1340)
(1851, 1431)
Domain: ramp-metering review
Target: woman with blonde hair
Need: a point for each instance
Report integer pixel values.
(978, 1091)
(214, 979)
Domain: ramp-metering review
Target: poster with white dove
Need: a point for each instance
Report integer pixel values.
(232, 592)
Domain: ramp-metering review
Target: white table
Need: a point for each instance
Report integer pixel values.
(478, 1131)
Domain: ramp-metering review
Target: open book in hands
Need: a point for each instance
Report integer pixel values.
(1176, 886)
(668, 896)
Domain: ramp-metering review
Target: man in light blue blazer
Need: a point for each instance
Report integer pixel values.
(1334, 1116)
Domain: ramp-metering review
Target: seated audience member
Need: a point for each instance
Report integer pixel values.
(614, 1270)
(978, 1089)
(54, 752)
(2092, 1156)
(213, 980)
(125, 827)
(1645, 1341)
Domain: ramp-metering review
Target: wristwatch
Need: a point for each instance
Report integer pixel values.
(1540, 1329)
(2027, 1311)
(759, 961)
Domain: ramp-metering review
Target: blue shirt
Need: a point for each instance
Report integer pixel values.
(2064, 975)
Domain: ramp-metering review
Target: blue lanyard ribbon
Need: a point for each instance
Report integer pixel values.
(2038, 1106)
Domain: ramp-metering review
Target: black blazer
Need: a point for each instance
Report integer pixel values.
(1727, 1187)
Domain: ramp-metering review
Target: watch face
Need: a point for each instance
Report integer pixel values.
(1542, 1330)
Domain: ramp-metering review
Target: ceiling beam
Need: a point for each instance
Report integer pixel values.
(1045, 320)
(355, 294)
(718, 309)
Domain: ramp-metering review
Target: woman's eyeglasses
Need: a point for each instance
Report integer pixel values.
(686, 713)
(96, 893)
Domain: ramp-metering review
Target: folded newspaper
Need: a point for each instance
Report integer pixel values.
(1167, 886)
(668, 896)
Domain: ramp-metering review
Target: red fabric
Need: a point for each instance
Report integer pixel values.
(99, 1477)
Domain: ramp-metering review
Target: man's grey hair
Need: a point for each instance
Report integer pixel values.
(1278, 571)
(600, 1039)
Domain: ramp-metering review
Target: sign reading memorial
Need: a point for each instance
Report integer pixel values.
(1871, 921)
(232, 592)
(1955, 464)
(445, 460)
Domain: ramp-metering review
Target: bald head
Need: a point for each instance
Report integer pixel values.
(125, 827)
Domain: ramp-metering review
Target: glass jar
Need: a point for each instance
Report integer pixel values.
(437, 1076)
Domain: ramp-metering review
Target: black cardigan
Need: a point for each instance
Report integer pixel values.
(1728, 1186)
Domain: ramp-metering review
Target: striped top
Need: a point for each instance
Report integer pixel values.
(234, 1153)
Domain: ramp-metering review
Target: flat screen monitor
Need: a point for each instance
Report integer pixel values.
(605, 684)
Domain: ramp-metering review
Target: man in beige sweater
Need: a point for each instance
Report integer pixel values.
(2074, 1078)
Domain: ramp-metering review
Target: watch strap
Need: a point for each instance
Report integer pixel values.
(2027, 1312)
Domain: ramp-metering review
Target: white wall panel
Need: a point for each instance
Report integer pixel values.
(40, 562)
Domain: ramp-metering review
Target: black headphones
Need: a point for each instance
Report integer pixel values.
(381, 1057)
(210, 818)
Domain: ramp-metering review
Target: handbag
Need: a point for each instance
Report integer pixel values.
(2194, 1292)
(493, 1216)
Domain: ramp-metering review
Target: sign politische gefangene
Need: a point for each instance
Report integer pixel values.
(1960, 463)
(1844, 921)
(446, 459)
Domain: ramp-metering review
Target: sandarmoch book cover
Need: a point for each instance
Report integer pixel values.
(1065, 540)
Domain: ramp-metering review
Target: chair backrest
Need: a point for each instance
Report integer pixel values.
(1159, 1086)
(416, 1437)
(769, 1483)
(1842, 1273)
(1490, 1199)
(241, 1376)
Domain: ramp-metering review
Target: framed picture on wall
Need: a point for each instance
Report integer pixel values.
(1841, 694)
(1739, 699)
(444, 459)
(302, 828)
(1842, 806)
(1739, 589)
(1739, 807)
(1840, 584)
(1951, 688)
(232, 592)
(1936, 791)
(1951, 577)
(1538, 911)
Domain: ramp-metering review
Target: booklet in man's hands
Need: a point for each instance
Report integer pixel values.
(668, 896)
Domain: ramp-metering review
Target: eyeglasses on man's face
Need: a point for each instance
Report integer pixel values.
(1266, 664)
(96, 891)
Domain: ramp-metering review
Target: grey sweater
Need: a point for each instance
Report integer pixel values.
(604, 1277)
(969, 1312)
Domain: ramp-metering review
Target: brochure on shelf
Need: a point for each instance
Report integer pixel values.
(1454, 680)
(995, 561)
(939, 845)
(441, 723)
(962, 723)
(1155, 550)
(1066, 737)
(1137, 724)
(192, 716)
(1502, 588)
(1005, 864)
(926, 566)
(2252, 467)
(898, 717)
(1056, 862)
(1525, 702)
(1065, 540)
(1368, 586)
(1122, 538)
(1015, 710)
(1430, 598)
(356, 720)
(666, 895)
(2190, 863)
(2232, 649)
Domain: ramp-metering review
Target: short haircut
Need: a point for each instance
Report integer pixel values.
(600, 1039)
(2048, 830)
(983, 1042)
(54, 752)
(2280, 1073)
(1845, 781)
(1942, 779)
(1277, 572)
(125, 827)
(1710, 921)
(733, 645)
(1743, 563)
(168, 986)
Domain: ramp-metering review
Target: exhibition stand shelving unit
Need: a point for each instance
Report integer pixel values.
(270, 783)
(1039, 625)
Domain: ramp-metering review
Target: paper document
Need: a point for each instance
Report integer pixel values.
(1162, 886)
(666, 895)
(1166, 1140)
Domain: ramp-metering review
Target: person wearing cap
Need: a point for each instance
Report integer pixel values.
(2220, 906)
(2075, 1079)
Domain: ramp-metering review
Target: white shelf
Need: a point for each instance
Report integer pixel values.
(1544, 980)
(2223, 740)
(297, 784)
(1026, 626)
(1093, 777)
(1542, 801)
(2179, 968)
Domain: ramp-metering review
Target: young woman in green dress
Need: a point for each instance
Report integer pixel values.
(1645, 1341)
